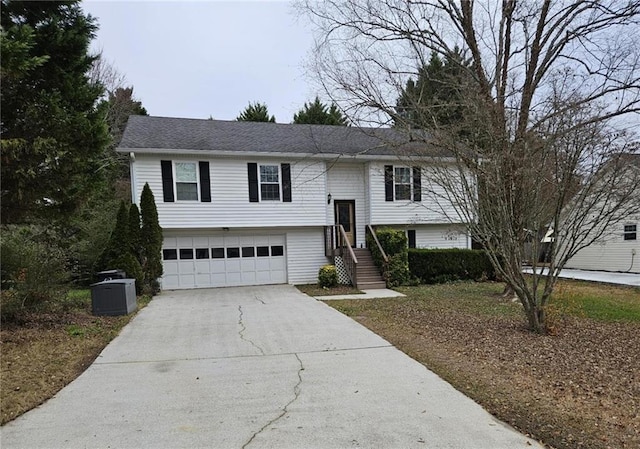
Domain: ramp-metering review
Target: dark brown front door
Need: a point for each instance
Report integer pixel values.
(346, 216)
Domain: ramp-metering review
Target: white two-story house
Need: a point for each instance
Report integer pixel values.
(246, 203)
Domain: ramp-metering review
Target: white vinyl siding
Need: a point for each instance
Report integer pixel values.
(230, 206)
(427, 211)
(347, 182)
(305, 255)
(441, 236)
(610, 253)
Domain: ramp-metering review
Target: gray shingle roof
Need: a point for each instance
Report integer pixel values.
(164, 133)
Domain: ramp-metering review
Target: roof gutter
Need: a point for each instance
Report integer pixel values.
(279, 154)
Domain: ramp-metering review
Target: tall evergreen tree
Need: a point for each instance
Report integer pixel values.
(317, 113)
(119, 252)
(435, 98)
(53, 135)
(118, 241)
(256, 112)
(151, 240)
(135, 242)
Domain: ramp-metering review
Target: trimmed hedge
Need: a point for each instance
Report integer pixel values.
(434, 266)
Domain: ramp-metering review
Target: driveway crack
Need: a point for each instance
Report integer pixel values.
(243, 329)
(285, 409)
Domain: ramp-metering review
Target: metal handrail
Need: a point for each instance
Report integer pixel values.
(375, 239)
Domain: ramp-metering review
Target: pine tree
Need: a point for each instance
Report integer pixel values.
(256, 112)
(53, 135)
(317, 113)
(119, 238)
(119, 254)
(435, 98)
(151, 241)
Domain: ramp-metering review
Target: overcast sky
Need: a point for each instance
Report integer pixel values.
(197, 59)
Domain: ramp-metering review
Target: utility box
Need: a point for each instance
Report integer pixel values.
(114, 297)
(110, 274)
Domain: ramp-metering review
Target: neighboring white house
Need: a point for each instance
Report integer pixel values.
(246, 203)
(618, 250)
(619, 247)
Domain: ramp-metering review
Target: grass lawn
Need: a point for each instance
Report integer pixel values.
(579, 387)
(49, 349)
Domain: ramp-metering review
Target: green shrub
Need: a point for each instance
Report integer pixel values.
(34, 270)
(130, 265)
(328, 276)
(150, 241)
(435, 266)
(394, 242)
(397, 270)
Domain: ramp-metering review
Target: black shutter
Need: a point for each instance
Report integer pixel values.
(253, 182)
(167, 181)
(388, 182)
(286, 182)
(411, 236)
(205, 182)
(417, 184)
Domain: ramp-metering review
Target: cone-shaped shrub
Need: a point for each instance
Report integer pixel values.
(151, 241)
(135, 232)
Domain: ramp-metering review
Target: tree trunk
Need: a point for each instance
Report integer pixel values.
(537, 320)
(509, 293)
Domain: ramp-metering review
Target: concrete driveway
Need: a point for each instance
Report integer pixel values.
(263, 367)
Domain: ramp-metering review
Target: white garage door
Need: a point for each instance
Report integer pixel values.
(223, 261)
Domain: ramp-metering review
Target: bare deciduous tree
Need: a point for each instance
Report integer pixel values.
(549, 99)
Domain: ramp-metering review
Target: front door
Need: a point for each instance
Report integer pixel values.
(346, 216)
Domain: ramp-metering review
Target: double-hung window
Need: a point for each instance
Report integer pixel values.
(186, 181)
(402, 183)
(630, 232)
(270, 183)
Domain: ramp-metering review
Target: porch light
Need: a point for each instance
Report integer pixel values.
(329, 199)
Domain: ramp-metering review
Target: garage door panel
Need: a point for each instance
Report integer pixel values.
(218, 266)
(230, 240)
(261, 240)
(263, 264)
(234, 279)
(224, 260)
(185, 242)
(203, 280)
(215, 242)
(187, 280)
(170, 267)
(218, 279)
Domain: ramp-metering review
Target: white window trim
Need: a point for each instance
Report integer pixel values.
(270, 183)
(397, 183)
(175, 180)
